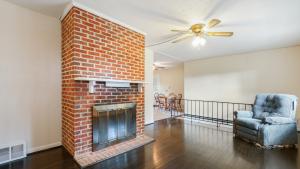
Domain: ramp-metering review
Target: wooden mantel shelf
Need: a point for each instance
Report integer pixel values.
(111, 83)
(108, 80)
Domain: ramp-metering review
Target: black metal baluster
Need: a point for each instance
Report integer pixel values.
(222, 112)
(187, 108)
(217, 114)
(195, 102)
(207, 110)
(203, 110)
(199, 109)
(212, 111)
(191, 110)
(227, 113)
(194, 109)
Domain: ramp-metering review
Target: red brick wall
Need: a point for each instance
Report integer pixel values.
(95, 47)
(68, 95)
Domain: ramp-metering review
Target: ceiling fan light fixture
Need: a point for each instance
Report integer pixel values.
(198, 31)
(198, 41)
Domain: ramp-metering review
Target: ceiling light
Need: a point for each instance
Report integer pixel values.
(198, 41)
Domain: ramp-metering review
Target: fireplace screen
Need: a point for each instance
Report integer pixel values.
(113, 123)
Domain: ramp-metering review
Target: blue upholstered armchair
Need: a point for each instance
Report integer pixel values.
(271, 121)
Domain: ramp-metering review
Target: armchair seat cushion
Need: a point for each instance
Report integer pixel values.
(250, 123)
(278, 120)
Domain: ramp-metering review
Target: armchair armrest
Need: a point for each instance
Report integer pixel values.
(243, 114)
(278, 120)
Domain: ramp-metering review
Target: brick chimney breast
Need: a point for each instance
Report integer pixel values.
(97, 48)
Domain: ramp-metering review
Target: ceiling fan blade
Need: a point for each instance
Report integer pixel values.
(182, 37)
(213, 23)
(169, 40)
(180, 31)
(219, 33)
(160, 68)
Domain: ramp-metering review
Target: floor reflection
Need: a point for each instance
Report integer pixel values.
(207, 147)
(179, 145)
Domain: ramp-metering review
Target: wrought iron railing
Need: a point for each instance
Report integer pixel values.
(217, 112)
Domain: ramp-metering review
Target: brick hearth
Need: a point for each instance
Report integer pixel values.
(95, 47)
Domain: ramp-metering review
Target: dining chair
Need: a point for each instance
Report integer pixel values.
(156, 99)
(162, 101)
(179, 102)
(172, 103)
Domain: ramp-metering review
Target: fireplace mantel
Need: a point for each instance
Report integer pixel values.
(120, 83)
(108, 80)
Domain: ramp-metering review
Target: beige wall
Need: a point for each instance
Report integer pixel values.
(148, 86)
(239, 78)
(30, 73)
(169, 80)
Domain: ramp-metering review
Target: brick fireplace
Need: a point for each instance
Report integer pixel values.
(93, 47)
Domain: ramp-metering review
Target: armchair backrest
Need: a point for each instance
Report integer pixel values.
(268, 104)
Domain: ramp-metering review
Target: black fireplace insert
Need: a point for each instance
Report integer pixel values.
(113, 123)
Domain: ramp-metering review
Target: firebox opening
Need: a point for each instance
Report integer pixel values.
(113, 123)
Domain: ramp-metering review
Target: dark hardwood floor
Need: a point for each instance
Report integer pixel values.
(178, 145)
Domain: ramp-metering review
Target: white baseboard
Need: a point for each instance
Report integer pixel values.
(44, 147)
(148, 123)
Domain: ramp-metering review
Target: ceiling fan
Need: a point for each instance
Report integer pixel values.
(156, 67)
(198, 31)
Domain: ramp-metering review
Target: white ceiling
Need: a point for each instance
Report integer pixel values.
(48, 7)
(257, 24)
